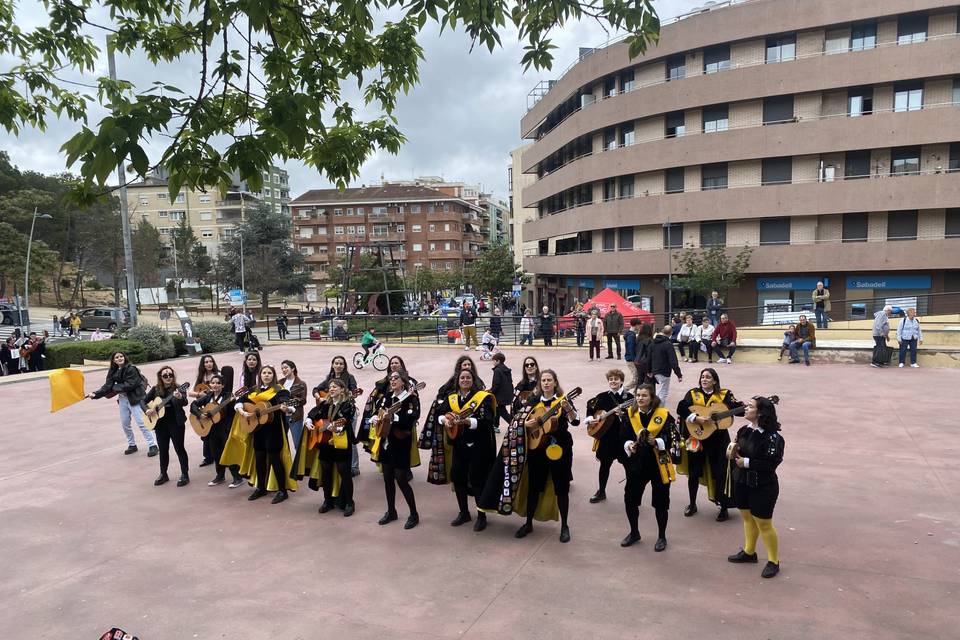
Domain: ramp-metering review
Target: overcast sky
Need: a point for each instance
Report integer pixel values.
(461, 121)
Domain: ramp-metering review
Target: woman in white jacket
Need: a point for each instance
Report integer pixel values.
(687, 339)
(704, 336)
(526, 328)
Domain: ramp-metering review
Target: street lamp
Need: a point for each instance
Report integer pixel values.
(26, 276)
(669, 243)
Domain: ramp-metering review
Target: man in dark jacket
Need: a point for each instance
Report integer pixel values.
(546, 326)
(468, 325)
(630, 351)
(663, 362)
(502, 388)
(613, 327)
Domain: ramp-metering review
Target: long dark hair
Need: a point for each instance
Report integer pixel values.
(333, 374)
(251, 379)
(202, 370)
(293, 367)
(646, 331)
(713, 374)
(654, 398)
(766, 414)
(275, 385)
(113, 365)
(536, 364)
(452, 383)
(162, 387)
(385, 381)
(474, 384)
(557, 389)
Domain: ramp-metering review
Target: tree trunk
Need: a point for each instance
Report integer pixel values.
(264, 303)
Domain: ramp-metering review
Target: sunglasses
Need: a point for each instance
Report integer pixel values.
(529, 365)
(166, 375)
(394, 377)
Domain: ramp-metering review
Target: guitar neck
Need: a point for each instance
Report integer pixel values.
(737, 411)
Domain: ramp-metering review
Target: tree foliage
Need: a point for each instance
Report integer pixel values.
(711, 269)
(368, 282)
(271, 79)
(494, 270)
(147, 254)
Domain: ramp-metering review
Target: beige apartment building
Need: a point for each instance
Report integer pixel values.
(517, 181)
(824, 134)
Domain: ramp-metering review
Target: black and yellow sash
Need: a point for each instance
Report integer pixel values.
(703, 400)
(263, 396)
(658, 421)
(478, 398)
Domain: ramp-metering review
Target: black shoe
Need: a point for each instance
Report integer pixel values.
(412, 521)
(257, 494)
(564, 534)
(524, 530)
(631, 539)
(481, 522)
(152, 451)
(355, 472)
(806, 362)
(237, 482)
(326, 506)
(609, 358)
(131, 449)
(280, 497)
(690, 510)
(599, 496)
(770, 569)
(206, 462)
(184, 480)
(795, 361)
(216, 481)
(723, 516)
(742, 557)
(387, 518)
(461, 518)
(348, 510)
(661, 544)
(161, 479)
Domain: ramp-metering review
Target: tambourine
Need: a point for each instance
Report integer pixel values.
(731, 451)
(554, 451)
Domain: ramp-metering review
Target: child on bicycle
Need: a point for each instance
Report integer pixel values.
(369, 342)
(488, 341)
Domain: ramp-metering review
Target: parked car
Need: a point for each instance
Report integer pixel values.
(10, 316)
(108, 318)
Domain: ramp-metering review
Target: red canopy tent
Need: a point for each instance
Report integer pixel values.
(602, 302)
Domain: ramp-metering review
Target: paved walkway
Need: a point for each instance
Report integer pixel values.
(869, 524)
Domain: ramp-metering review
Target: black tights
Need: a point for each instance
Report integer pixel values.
(563, 502)
(263, 471)
(393, 478)
(346, 481)
(605, 465)
(633, 517)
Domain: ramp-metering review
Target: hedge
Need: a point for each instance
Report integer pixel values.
(157, 342)
(64, 354)
(214, 336)
(179, 345)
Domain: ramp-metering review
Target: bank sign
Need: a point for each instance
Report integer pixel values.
(789, 284)
(888, 282)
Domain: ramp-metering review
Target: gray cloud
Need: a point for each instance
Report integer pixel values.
(461, 121)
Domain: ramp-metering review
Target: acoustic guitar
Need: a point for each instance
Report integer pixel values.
(603, 419)
(455, 420)
(546, 420)
(157, 407)
(719, 416)
(323, 430)
(210, 414)
(260, 413)
(384, 418)
(322, 395)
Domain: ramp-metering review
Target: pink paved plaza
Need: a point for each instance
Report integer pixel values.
(869, 524)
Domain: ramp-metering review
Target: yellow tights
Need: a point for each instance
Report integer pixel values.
(758, 527)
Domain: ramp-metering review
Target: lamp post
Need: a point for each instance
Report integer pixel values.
(669, 243)
(26, 276)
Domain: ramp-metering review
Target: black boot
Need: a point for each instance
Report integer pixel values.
(161, 479)
(524, 530)
(481, 522)
(184, 480)
(631, 539)
(462, 518)
(599, 496)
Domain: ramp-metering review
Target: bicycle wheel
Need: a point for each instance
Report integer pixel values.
(358, 360)
(380, 362)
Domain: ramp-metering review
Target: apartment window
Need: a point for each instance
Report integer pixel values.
(626, 187)
(415, 228)
(902, 225)
(781, 48)
(905, 161)
(673, 235)
(863, 36)
(349, 211)
(836, 42)
(378, 230)
(268, 192)
(432, 228)
(431, 208)
(378, 211)
(307, 251)
(912, 28)
(161, 196)
(626, 136)
(609, 139)
(338, 230)
(206, 215)
(266, 177)
(446, 207)
(609, 87)
(713, 234)
(775, 231)
(956, 85)
(400, 228)
(715, 119)
(361, 230)
(338, 212)
(360, 211)
(777, 110)
(276, 178)
(206, 233)
(777, 171)
(855, 227)
(952, 223)
(856, 165)
(306, 232)
(400, 208)
(351, 230)
(162, 214)
(954, 160)
(166, 231)
(341, 249)
(716, 58)
(609, 190)
(713, 176)
(181, 198)
(433, 246)
(414, 208)
(144, 200)
(673, 179)
(321, 231)
(859, 102)
(625, 238)
(204, 198)
(446, 246)
(626, 81)
(907, 97)
(417, 247)
(675, 124)
(609, 239)
(676, 68)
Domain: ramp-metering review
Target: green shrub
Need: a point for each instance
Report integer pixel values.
(156, 341)
(94, 284)
(179, 344)
(214, 336)
(64, 354)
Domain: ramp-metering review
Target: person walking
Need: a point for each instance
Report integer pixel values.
(496, 323)
(502, 389)
(613, 327)
(881, 331)
(908, 335)
(546, 326)
(526, 328)
(630, 351)
(75, 324)
(663, 362)
(714, 308)
(282, 325)
(805, 338)
(239, 322)
(468, 325)
(594, 326)
(821, 305)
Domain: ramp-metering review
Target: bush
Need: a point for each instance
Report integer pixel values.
(179, 344)
(64, 354)
(156, 341)
(214, 336)
(94, 284)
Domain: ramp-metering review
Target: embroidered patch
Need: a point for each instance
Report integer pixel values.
(658, 420)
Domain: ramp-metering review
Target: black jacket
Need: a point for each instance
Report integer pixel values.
(173, 413)
(468, 317)
(126, 380)
(765, 451)
(502, 385)
(663, 357)
(644, 460)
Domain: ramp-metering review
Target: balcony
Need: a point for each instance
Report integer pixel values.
(881, 193)
(317, 258)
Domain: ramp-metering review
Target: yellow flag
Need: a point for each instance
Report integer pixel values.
(66, 388)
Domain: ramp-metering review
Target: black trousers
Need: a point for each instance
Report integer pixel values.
(265, 462)
(503, 412)
(394, 477)
(637, 482)
(611, 338)
(695, 350)
(594, 346)
(238, 339)
(165, 434)
(469, 471)
(346, 480)
(215, 442)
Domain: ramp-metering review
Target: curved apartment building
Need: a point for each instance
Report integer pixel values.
(824, 133)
